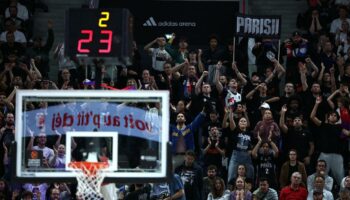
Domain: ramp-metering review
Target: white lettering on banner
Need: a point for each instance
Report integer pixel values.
(151, 22)
(126, 120)
(257, 26)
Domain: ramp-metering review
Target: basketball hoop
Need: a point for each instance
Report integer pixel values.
(90, 176)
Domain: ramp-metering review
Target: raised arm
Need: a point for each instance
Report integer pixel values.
(35, 69)
(31, 140)
(282, 123)
(239, 75)
(149, 45)
(314, 111)
(232, 121)
(200, 63)
(256, 147)
(320, 75)
(330, 99)
(251, 93)
(199, 83)
(313, 67)
(303, 79)
(179, 66)
(224, 123)
(218, 85)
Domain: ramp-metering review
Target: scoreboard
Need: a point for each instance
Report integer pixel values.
(97, 33)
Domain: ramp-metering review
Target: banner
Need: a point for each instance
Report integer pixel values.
(258, 26)
(96, 116)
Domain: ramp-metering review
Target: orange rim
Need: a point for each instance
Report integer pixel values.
(89, 168)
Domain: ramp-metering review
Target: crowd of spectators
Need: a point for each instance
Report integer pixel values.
(257, 127)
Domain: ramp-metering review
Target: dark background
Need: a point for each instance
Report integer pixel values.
(210, 18)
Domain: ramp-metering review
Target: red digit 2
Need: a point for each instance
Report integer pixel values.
(85, 41)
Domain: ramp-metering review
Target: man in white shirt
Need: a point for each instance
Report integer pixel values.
(336, 24)
(159, 55)
(10, 26)
(48, 153)
(22, 11)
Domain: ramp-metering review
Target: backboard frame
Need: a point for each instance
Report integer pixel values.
(140, 177)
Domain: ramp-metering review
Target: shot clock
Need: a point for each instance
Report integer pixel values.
(96, 33)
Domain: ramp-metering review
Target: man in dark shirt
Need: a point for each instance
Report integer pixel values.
(330, 133)
(192, 176)
(296, 137)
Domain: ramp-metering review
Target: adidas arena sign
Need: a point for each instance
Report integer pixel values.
(151, 22)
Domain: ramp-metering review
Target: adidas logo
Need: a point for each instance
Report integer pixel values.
(150, 22)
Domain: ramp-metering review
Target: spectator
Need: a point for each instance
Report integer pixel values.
(337, 23)
(26, 195)
(11, 27)
(320, 171)
(266, 164)
(22, 11)
(297, 137)
(54, 194)
(241, 142)
(344, 195)
(178, 55)
(264, 191)
(142, 191)
(40, 52)
(11, 47)
(182, 135)
(192, 176)
(295, 190)
(319, 183)
(208, 181)
(48, 153)
(174, 189)
(296, 49)
(230, 93)
(289, 167)
(329, 134)
(38, 189)
(214, 149)
(218, 191)
(240, 191)
(212, 55)
(267, 126)
(159, 55)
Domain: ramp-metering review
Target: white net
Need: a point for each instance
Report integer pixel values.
(90, 177)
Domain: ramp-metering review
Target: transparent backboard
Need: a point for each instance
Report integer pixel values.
(127, 129)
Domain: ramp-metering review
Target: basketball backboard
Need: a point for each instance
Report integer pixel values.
(129, 129)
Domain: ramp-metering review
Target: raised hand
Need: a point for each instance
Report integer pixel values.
(205, 73)
(200, 52)
(284, 108)
(209, 141)
(318, 100)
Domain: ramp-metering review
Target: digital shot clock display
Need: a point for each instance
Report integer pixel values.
(98, 32)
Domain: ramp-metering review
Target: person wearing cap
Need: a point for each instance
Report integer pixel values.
(296, 50)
